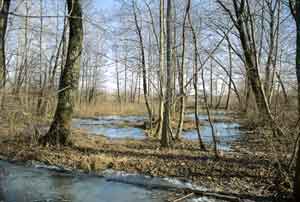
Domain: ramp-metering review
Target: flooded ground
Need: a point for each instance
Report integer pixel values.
(27, 184)
(121, 127)
(39, 183)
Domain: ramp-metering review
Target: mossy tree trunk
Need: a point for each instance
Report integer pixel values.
(3, 25)
(60, 128)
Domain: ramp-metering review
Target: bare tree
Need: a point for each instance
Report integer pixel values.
(143, 60)
(181, 73)
(166, 131)
(195, 81)
(60, 128)
(161, 66)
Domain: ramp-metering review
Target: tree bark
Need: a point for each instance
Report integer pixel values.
(165, 136)
(213, 132)
(60, 128)
(181, 75)
(3, 26)
(230, 76)
(143, 61)
(195, 83)
(161, 66)
(295, 9)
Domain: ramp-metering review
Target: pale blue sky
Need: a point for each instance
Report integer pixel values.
(104, 4)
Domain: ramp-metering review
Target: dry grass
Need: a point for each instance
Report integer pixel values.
(109, 108)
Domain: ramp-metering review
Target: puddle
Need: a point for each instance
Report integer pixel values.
(119, 127)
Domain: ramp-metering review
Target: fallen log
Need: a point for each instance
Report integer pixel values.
(217, 195)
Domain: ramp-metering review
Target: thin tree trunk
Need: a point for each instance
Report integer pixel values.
(232, 82)
(166, 133)
(230, 76)
(195, 82)
(144, 71)
(286, 100)
(181, 75)
(125, 75)
(213, 134)
(118, 79)
(211, 83)
(220, 96)
(161, 66)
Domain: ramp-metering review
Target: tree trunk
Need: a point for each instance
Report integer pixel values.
(296, 12)
(213, 132)
(247, 39)
(230, 76)
(144, 71)
(125, 75)
(286, 100)
(3, 26)
(211, 84)
(297, 17)
(118, 78)
(165, 136)
(161, 67)
(60, 128)
(195, 83)
(181, 75)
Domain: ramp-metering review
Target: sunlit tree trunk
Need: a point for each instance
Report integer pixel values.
(181, 75)
(161, 66)
(60, 128)
(166, 133)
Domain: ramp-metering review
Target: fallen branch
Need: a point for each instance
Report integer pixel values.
(220, 196)
(184, 197)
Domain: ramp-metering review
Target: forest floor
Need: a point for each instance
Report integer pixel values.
(249, 170)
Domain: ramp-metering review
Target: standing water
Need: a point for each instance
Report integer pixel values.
(120, 127)
(51, 184)
(27, 184)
